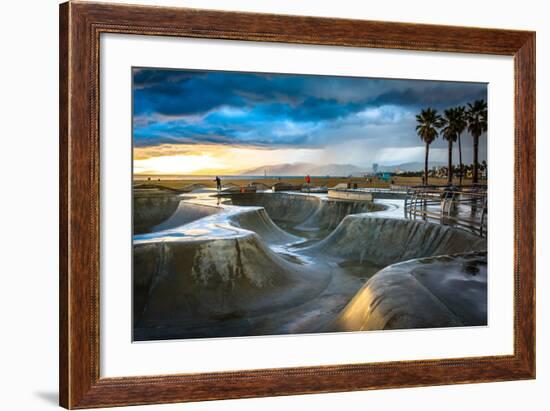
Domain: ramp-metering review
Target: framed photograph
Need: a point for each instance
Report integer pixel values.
(258, 205)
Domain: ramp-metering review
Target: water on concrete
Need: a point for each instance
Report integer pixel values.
(275, 263)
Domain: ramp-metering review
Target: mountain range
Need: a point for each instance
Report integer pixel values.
(299, 169)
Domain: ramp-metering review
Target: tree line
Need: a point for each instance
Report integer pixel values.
(455, 120)
(467, 169)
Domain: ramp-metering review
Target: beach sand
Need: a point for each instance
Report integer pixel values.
(180, 183)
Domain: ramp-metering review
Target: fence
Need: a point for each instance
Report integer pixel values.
(464, 207)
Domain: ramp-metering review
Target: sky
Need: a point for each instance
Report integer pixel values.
(207, 122)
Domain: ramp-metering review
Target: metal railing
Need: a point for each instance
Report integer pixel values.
(463, 207)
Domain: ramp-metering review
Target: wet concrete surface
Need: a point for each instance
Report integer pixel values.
(276, 263)
(442, 291)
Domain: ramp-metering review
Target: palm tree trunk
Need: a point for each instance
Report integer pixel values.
(476, 146)
(426, 164)
(450, 164)
(460, 159)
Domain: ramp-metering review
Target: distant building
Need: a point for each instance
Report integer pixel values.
(375, 168)
(385, 176)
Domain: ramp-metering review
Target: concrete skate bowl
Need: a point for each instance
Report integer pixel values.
(231, 188)
(216, 287)
(384, 241)
(232, 270)
(257, 220)
(307, 216)
(435, 275)
(193, 187)
(157, 210)
(443, 291)
(152, 206)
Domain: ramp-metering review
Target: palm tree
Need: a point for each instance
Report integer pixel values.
(460, 124)
(477, 125)
(449, 133)
(428, 122)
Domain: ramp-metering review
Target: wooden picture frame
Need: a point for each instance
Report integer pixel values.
(80, 27)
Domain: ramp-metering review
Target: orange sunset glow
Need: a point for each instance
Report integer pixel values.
(212, 159)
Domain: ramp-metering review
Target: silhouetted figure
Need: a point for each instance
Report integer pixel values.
(218, 184)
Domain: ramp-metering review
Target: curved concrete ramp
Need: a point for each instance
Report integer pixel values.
(331, 212)
(281, 207)
(218, 268)
(385, 241)
(444, 291)
(185, 214)
(215, 287)
(152, 207)
(193, 187)
(305, 212)
(258, 221)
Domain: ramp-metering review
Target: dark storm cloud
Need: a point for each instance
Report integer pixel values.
(183, 106)
(437, 95)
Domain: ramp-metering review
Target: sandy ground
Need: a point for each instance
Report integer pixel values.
(316, 181)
